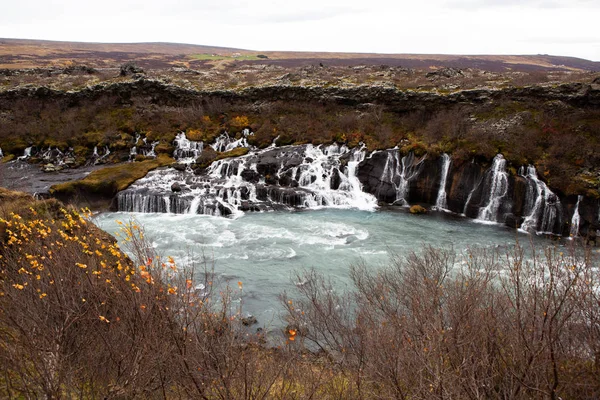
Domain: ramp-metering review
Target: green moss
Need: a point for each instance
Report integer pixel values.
(7, 158)
(91, 139)
(54, 143)
(238, 151)
(108, 181)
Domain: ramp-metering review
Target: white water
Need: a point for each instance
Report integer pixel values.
(226, 143)
(1, 153)
(543, 210)
(400, 172)
(575, 220)
(497, 189)
(186, 151)
(265, 250)
(222, 189)
(26, 154)
(440, 202)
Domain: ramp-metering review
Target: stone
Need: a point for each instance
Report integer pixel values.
(180, 166)
(176, 187)
(249, 320)
(51, 168)
(417, 209)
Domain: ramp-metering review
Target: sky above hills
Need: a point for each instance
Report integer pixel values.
(558, 27)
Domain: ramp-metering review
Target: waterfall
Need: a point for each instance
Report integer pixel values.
(440, 202)
(26, 154)
(150, 152)
(98, 158)
(1, 153)
(302, 176)
(225, 143)
(186, 151)
(497, 189)
(132, 153)
(399, 172)
(575, 220)
(543, 211)
(329, 184)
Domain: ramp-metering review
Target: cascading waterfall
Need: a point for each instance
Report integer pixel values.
(543, 210)
(321, 172)
(226, 143)
(149, 152)
(97, 158)
(26, 154)
(399, 172)
(1, 153)
(575, 220)
(440, 202)
(132, 153)
(497, 186)
(186, 151)
(317, 177)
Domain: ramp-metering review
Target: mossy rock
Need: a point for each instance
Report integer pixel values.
(417, 209)
(164, 148)
(237, 152)
(107, 182)
(59, 144)
(7, 158)
(207, 156)
(91, 139)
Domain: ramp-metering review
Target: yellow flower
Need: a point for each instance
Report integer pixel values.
(103, 319)
(17, 286)
(80, 265)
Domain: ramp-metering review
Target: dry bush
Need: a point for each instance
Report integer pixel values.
(436, 325)
(79, 319)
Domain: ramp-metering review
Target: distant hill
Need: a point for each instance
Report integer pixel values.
(24, 53)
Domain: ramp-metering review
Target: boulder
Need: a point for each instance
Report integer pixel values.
(417, 209)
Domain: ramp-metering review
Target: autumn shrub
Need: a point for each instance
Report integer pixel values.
(441, 325)
(80, 319)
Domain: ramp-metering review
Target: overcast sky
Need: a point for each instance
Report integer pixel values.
(559, 27)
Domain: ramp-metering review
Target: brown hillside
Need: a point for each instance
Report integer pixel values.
(23, 53)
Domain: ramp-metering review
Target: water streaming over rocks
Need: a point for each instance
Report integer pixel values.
(312, 177)
(292, 176)
(494, 189)
(186, 151)
(543, 210)
(98, 159)
(398, 172)
(441, 201)
(575, 219)
(26, 154)
(225, 143)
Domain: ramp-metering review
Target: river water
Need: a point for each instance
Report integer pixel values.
(265, 250)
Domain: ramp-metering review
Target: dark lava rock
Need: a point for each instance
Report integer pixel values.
(250, 176)
(180, 167)
(448, 72)
(130, 69)
(250, 320)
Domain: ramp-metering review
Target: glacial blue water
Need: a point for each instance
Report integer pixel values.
(265, 250)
